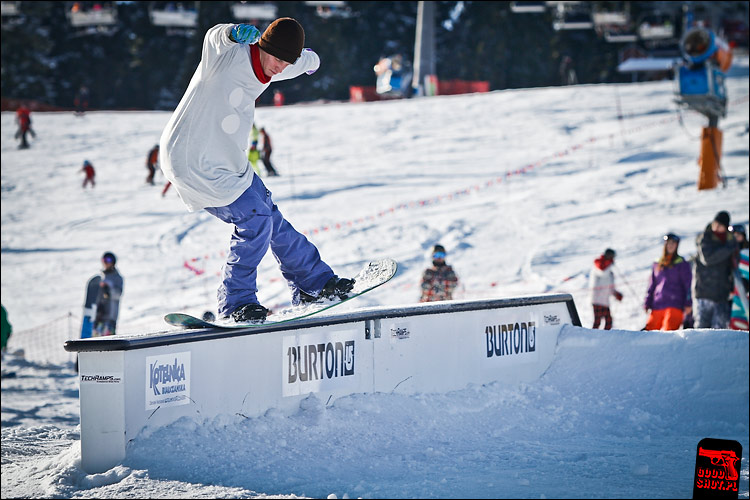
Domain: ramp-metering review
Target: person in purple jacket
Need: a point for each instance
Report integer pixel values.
(668, 296)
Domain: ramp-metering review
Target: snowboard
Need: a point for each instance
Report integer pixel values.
(374, 274)
(89, 306)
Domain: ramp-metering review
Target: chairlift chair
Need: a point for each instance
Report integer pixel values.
(245, 11)
(171, 16)
(80, 15)
(330, 8)
(528, 7)
(656, 26)
(10, 8)
(572, 18)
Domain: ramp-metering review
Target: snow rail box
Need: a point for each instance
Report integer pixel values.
(130, 383)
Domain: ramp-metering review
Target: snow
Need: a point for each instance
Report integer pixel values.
(524, 188)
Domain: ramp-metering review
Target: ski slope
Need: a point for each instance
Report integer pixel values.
(524, 188)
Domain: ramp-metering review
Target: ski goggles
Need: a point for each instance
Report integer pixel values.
(438, 255)
(672, 237)
(108, 259)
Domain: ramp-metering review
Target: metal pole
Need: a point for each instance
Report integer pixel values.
(424, 46)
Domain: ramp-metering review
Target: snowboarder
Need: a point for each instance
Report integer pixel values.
(108, 300)
(602, 286)
(152, 161)
(209, 168)
(88, 169)
(713, 280)
(669, 288)
(267, 150)
(439, 280)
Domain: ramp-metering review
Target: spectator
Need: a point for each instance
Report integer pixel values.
(253, 155)
(739, 308)
(152, 161)
(438, 281)
(208, 164)
(267, 149)
(739, 234)
(88, 169)
(7, 330)
(108, 300)
(602, 286)
(669, 288)
(23, 120)
(278, 98)
(712, 280)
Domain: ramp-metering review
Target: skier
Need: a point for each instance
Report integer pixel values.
(438, 281)
(602, 286)
(23, 120)
(267, 150)
(668, 294)
(88, 169)
(209, 168)
(152, 161)
(108, 301)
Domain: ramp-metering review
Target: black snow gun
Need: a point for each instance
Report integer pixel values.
(701, 74)
(726, 459)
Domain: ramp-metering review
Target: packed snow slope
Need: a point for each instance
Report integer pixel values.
(524, 188)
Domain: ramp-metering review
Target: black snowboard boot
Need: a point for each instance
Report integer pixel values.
(250, 313)
(334, 288)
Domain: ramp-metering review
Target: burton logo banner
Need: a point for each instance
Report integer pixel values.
(717, 469)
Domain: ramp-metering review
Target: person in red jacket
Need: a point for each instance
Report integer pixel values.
(23, 119)
(152, 161)
(88, 169)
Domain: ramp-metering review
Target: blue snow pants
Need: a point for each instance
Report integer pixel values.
(258, 223)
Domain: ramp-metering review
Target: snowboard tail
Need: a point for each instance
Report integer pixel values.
(373, 275)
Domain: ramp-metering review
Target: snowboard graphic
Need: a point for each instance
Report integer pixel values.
(373, 275)
(89, 306)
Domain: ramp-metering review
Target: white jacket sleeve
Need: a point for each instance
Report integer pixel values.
(308, 61)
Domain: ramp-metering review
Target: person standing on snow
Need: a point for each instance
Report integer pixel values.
(204, 154)
(267, 150)
(438, 281)
(668, 294)
(152, 161)
(23, 120)
(88, 169)
(713, 280)
(602, 286)
(108, 300)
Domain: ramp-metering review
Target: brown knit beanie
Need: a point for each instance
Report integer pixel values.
(284, 38)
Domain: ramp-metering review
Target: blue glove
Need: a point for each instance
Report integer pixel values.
(246, 34)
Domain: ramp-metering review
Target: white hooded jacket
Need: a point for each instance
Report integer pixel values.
(203, 148)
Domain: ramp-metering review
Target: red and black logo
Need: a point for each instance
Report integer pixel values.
(717, 469)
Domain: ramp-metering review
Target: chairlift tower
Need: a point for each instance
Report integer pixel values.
(424, 79)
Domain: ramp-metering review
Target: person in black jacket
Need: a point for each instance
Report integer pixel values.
(713, 282)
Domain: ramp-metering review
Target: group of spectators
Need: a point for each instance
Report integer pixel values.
(705, 292)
